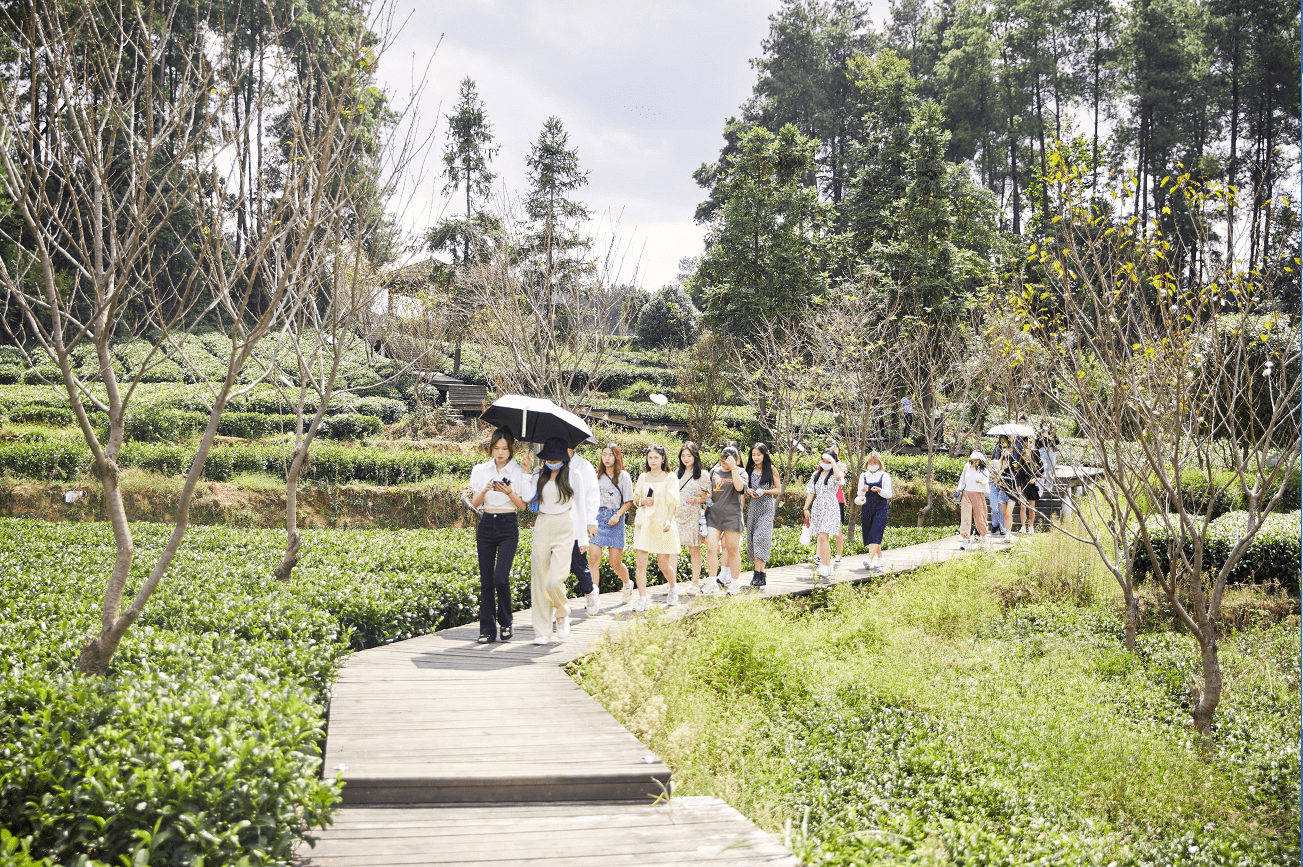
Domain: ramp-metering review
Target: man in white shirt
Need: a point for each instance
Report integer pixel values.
(583, 478)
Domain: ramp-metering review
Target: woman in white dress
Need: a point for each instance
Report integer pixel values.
(822, 509)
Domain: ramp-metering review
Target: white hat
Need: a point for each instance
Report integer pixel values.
(977, 456)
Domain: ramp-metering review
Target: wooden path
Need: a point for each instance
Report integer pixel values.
(460, 753)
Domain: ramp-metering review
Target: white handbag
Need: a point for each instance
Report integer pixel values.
(806, 535)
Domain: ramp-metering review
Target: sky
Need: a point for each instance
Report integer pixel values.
(643, 89)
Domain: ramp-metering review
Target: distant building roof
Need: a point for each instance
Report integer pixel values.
(409, 279)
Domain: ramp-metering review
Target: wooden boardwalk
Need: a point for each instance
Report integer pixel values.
(425, 728)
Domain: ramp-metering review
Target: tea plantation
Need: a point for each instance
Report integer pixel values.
(203, 745)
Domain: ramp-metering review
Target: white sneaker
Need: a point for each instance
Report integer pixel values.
(593, 604)
(734, 586)
(725, 575)
(878, 563)
(542, 639)
(626, 593)
(673, 597)
(836, 563)
(563, 627)
(708, 586)
(1027, 531)
(643, 603)
(963, 544)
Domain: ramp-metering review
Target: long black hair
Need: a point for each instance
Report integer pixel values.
(562, 482)
(832, 471)
(696, 459)
(665, 461)
(766, 465)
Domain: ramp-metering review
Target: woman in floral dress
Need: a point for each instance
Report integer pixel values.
(694, 489)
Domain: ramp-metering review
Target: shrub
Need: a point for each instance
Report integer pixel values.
(252, 425)
(1273, 556)
(44, 460)
(34, 413)
(155, 423)
(350, 426)
(668, 320)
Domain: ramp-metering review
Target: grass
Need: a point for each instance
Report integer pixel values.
(982, 711)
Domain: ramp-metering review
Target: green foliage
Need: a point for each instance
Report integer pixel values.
(157, 423)
(764, 244)
(252, 425)
(921, 721)
(350, 426)
(1272, 558)
(668, 320)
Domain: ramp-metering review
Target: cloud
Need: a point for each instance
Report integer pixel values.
(642, 89)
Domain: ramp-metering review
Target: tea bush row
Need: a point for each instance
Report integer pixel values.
(1272, 558)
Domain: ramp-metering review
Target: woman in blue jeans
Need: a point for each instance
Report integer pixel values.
(496, 487)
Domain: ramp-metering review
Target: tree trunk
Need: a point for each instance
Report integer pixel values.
(456, 355)
(98, 652)
(1202, 712)
(1132, 616)
(294, 541)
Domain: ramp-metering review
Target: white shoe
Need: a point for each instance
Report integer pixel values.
(1027, 531)
(963, 544)
(563, 627)
(825, 571)
(643, 603)
(836, 563)
(708, 586)
(725, 575)
(878, 563)
(542, 639)
(626, 593)
(673, 598)
(593, 604)
(734, 586)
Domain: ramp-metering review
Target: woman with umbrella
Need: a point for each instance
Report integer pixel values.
(554, 539)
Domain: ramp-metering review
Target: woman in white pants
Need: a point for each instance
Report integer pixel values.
(554, 541)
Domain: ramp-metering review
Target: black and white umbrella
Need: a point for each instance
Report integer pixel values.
(536, 420)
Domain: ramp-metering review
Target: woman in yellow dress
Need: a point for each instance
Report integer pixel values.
(654, 528)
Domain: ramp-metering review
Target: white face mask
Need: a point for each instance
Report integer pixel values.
(825, 466)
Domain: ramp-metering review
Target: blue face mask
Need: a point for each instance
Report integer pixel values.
(553, 465)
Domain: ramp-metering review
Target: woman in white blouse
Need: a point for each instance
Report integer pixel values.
(874, 495)
(554, 540)
(974, 484)
(497, 488)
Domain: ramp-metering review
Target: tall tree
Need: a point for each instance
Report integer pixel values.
(765, 245)
(556, 239)
(466, 160)
(805, 79)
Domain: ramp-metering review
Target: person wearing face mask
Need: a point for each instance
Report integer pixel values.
(496, 487)
(974, 484)
(554, 540)
(821, 508)
(996, 495)
(724, 522)
(875, 492)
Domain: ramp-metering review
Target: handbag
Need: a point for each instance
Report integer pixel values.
(806, 535)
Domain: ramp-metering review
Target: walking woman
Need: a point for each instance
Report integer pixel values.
(821, 508)
(875, 492)
(762, 487)
(694, 491)
(554, 541)
(496, 488)
(724, 522)
(974, 485)
(1028, 472)
(654, 528)
(1007, 482)
(996, 496)
(1047, 444)
(614, 499)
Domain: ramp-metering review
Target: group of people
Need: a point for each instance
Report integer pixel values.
(582, 510)
(1019, 473)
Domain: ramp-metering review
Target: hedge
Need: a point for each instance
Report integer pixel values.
(1272, 557)
(1229, 496)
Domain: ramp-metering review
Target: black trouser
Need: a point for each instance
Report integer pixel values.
(496, 539)
(579, 569)
(909, 424)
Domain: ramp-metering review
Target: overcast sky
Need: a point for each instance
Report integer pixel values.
(643, 90)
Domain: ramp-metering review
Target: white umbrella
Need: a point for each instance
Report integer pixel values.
(1012, 430)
